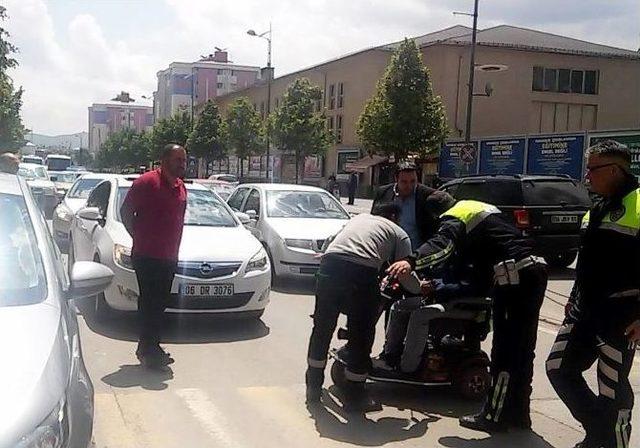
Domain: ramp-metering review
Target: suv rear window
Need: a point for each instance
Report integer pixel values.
(490, 191)
(554, 192)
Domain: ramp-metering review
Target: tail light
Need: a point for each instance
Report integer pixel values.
(522, 218)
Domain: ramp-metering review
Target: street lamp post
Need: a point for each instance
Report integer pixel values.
(472, 67)
(269, 77)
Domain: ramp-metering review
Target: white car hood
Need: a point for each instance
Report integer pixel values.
(217, 244)
(35, 367)
(306, 228)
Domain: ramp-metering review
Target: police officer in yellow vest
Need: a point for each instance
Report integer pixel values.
(503, 267)
(602, 318)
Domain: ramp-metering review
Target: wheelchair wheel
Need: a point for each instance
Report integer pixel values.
(473, 382)
(338, 374)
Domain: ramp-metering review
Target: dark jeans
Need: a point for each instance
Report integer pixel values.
(154, 279)
(344, 287)
(516, 310)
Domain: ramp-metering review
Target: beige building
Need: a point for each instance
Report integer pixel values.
(541, 83)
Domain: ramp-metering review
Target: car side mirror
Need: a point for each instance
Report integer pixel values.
(243, 217)
(89, 279)
(91, 214)
(252, 214)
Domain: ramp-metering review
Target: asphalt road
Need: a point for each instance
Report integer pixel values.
(241, 384)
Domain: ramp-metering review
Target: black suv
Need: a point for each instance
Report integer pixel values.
(547, 208)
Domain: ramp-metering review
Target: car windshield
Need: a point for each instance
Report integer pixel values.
(555, 192)
(83, 188)
(65, 177)
(303, 204)
(22, 279)
(38, 172)
(204, 208)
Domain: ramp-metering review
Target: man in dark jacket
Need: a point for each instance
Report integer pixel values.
(421, 206)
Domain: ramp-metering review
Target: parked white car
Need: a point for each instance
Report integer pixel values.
(73, 201)
(222, 268)
(42, 188)
(292, 222)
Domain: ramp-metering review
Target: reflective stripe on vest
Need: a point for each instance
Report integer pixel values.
(471, 213)
(627, 223)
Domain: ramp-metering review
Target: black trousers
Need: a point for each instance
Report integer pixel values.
(516, 309)
(154, 279)
(581, 342)
(352, 289)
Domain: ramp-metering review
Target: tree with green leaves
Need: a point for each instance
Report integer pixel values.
(175, 129)
(404, 116)
(12, 130)
(296, 128)
(125, 148)
(207, 140)
(245, 131)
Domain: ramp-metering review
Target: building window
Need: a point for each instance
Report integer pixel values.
(577, 79)
(339, 129)
(220, 85)
(330, 124)
(345, 157)
(233, 72)
(340, 95)
(220, 71)
(565, 80)
(590, 82)
(332, 97)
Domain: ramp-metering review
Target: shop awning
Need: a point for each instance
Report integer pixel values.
(361, 165)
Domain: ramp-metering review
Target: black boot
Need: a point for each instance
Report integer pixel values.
(481, 422)
(314, 379)
(357, 399)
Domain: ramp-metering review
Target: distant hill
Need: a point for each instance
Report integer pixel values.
(79, 139)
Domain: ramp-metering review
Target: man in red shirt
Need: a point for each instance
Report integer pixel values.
(153, 214)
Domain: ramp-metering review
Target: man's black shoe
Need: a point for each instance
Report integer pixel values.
(153, 362)
(480, 422)
(588, 442)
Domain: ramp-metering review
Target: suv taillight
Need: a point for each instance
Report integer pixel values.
(522, 218)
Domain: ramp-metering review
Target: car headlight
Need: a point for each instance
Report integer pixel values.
(63, 213)
(122, 256)
(258, 262)
(51, 433)
(299, 244)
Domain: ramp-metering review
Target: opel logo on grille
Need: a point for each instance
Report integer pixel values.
(206, 269)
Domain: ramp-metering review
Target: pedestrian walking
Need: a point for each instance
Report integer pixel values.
(333, 187)
(474, 233)
(347, 282)
(602, 317)
(353, 187)
(153, 214)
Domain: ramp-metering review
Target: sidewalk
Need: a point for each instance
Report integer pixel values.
(359, 206)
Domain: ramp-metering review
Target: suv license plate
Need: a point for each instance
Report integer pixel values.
(564, 219)
(199, 290)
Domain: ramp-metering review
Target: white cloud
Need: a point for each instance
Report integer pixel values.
(63, 74)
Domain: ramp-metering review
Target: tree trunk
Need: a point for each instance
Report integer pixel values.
(297, 167)
(241, 167)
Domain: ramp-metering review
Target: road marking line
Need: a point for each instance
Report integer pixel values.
(111, 429)
(208, 414)
(280, 404)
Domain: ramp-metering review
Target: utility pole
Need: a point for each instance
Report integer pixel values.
(472, 67)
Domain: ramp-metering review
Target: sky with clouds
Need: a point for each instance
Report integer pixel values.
(76, 52)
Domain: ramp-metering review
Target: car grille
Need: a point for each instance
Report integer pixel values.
(203, 269)
(209, 303)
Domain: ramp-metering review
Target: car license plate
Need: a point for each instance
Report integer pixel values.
(564, 219)
(199, 290)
